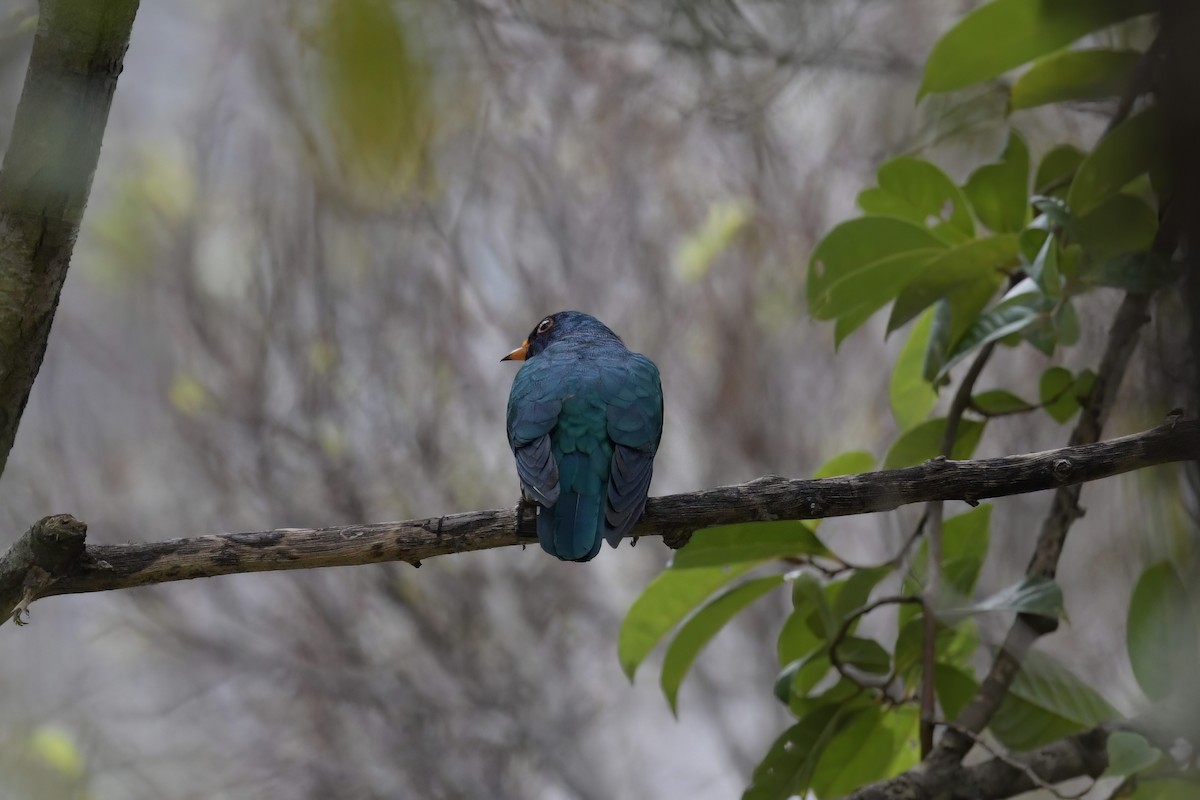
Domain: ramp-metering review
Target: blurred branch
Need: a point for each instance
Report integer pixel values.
(105, 567)
(77, 55)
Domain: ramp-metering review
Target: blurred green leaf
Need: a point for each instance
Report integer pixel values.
(1004, 34)
(1033, 595)
(1129, 150)
(665, 602)
(698, 250)
(999, 401)
(1121, 224)
(980, 263)
(999, 192)
(1169, 789)
(749, 541)
(866, 654)
(1129, 753)
(1056, 168)
(797, 638)
(1046, 703)
(378, 99)
(925, 442)
(1044, 269)
(918, 191)
(56, 748)
(1160, 633)
(851, 594)
(702, 626)
(1074, 75)
(911, 395)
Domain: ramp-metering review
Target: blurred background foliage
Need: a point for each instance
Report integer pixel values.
(316, 227)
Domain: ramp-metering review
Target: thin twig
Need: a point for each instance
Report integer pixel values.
(1005, 758)
(860, 680)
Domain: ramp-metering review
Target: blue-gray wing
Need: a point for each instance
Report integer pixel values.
(635, 422)
(533, 408)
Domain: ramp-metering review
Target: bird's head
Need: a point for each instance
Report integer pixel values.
(563, 326)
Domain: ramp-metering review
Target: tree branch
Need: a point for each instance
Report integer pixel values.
(77, 55)
(105, 567)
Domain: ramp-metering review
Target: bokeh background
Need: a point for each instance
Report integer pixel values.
(315, 228)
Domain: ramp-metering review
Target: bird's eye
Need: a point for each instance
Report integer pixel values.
(545, 325)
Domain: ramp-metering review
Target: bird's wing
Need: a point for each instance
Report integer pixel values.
(635, 421)
(533, 408)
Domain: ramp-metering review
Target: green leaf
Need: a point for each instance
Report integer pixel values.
(1121, 224)
(1161, 633)
(1046, 703)
(788, 766)
(1056, 168)
(1033, 595)
(808, 592)
(911, 395)
(991, 327)
(851, 594)
(871, 287)
(1129, 150)
(954, 688)
(1169, 789)
(866, 654)
(918, 191)
(858, 754)
(1133, 272)
(997, 402)
(1074, 75)
(983, 260)
(1130, 753)
(666, 601)
(964, 546)
(701, 628)
(1004, 34)
(1066, 324)
(797, 638)
(858, 245)
(925, 442)
(851, 463)
(1054, 391)
(749, 541)
(1044, 269)
(999, 192)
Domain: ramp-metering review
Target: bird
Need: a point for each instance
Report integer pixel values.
(585, 417)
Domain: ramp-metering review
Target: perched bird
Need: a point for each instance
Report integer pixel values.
(585, 416)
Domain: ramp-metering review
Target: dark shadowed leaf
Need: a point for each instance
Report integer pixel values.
(702, 626)
(1129, 150)
(858, 754)
(749, 541)
(1161, 633)
(954, 687)
(1004, 34)
(1054, 390)
(1073, 75)
(1133, 272)
(1121, 224)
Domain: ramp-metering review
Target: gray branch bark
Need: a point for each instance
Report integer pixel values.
(77, 55)
(104, 567)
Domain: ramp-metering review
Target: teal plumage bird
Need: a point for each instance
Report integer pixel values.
(585, 417)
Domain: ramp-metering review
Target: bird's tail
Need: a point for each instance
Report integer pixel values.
(572, 528)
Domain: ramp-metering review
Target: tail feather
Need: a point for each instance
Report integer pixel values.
(572, 529)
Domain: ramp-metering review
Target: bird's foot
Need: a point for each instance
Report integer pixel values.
(526, 518)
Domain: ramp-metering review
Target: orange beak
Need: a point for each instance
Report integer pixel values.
(520, 354)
